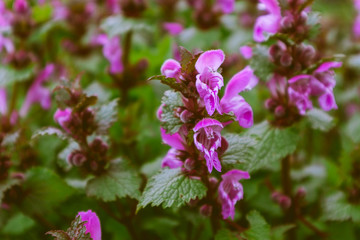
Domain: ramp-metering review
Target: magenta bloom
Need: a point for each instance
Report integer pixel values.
(320, 84)
(173, 28)
(112, 52)
(113, 5)
(62, 117)
(356, 26)
(92, 224)
(5, 17)
(60, 10)
(209, 81)
(38, 93)
(207, 139)
(177, 144)
(225, 6)
(246, 52)
(171, 160)
(171, 69)
(269, 23)
(7, 44)
(232, 102)
(231, 191)
(3, 101)
(21, 6)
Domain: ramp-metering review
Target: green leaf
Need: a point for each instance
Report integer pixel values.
(169, 121)
(259, 228)
(77, 230)
(261, 63)
(7, 184)
(118, 182)
(49, 131)
(171, 188)
(18, 224)
(352, 128)
(64, 154)
(274, 144)
(336, 208)
(117, 25)
(9, 75)
(10, 139)
(320, 120)
(225, 234)
(226, 117)
(240, 152)
(277, 233)
(43, 190)
(41, 13)
(59, 235)
(106, 116)
(171, 82)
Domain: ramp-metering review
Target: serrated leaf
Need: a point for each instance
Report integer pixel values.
(49, 131)
(7, 184)
(169, 121)
(226, 117)
(59, 234)
(171, 82)
(261, 63)
(240, 152)
(336, 208)
(278, 232)
(117, 25)
(352, 128)
(10, 139)
(43, 190)
(118, 182)
(259, 228)
(106, 116)
(171, 188)
(18, 224)
(274, 144)
(185, 56)
(320, 120)
(64, 154)
(226, 234)
(77, 230)
(10, 75)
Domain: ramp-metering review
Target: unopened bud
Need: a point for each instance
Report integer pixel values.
(206, 210)
(189, 164)
(18, 175)
(77, 158)
(270, 104)
(185, 116)
(284, 202)
(286, 59)
(99, 146)
(301, 192)
(279, 111)
(286, 22)
(213, 182)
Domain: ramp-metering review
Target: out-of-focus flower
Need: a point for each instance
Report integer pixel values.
(62, 117)
(225, 6)
(269, 23)
(246, 52)
(173, 28)
(207, 139)
(3, 101)
(209, 81)
(92, 224)
(231, 191)
(171, 68)
(38, 93)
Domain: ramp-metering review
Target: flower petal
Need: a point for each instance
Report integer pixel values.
(327, 66)
(3, 101)
(170, 68)
(246, 52)
(244, 79)
(272, 6)
(206, 122)
(327, 101)
(269, 23)
(210, 59)
(92, 224)
(173, 140)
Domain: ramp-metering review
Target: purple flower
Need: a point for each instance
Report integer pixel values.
(269, 23)
(92, 224)
(176, 143)
(225, 6)
(21, 6)
(7, 44)
(209, 81)
(231, 191)
(207, 139)
(246, 52)
(171, 160)
(113, 5)
(3, 101)
(60, 10)
(112, 52)
(62, 117)
(356, 26)
(173, 28)
(232, 102)
(5, 17)
(171, 69)
(38, 93)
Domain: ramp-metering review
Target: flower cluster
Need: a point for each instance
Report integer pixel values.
(198, 144)
(299, 73)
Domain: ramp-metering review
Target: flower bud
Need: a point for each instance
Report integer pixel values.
(286, 59)
(286, 22)
(213, 182)
(185, 116)
(63, 117)
(301, 192)
(189, 164)
(279, 111)
(21, 6)
(77, 158)
(206, 210)
(270, 103)
(99, 146)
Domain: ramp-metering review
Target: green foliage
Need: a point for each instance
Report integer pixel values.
(259, 228)
(9, 75)
(337, 208)
(118, 182)
(260, 63)
(171, 188)
(169, 121)
(274, 144)
(320, 120)
(352, 128)
(225, 234)
(75, 232)
(117, 25)
(49, 131)
(7, 184)
(18, 224)
(106, 115)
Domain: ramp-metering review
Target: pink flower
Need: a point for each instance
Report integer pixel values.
(113, 5)
(21, 6)
(231, 191)
(92, 224)
(207, 139)
(173, 28)
(269, 23)
(177, 144)
(209, 81)
(246, 52)
(62, 117)
(3, 101)
(60, 10)
(226, 6)
(232, 102)
(171, 160)
(112, 52)
(38, 93)
(5, 17)
(7, 44)
(171, 69)
(356, 26)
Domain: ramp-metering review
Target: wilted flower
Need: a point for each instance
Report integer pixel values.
(207, 139)
(92, 224)
(209, 81)
(231, 191)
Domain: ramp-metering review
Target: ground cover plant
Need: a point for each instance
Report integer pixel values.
(180, 119)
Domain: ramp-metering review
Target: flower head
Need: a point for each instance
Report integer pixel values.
(209, 81)
(269, 23)
(112, 52)
(173, 28)
(246, 52)
(232, 102)
(207, 139)
(92, 224)
(171, 69)
(225, 6)
(231, 191)
(3, 101)
(62, 117)
(171, 160)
